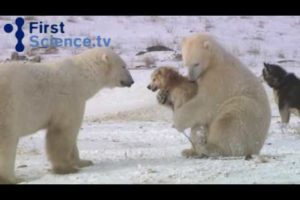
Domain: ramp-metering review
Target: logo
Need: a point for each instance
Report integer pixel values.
(44, 35)
(8, 28)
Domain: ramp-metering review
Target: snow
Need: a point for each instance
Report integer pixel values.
(130, 138)
(149, 152)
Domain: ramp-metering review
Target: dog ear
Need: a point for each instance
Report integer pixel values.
(158, 72)
(267, 66)
(171, 74)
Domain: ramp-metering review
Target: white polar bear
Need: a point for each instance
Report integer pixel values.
(231, 102)
(52, 96)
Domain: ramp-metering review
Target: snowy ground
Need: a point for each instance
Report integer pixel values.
(129, 136)
(149, 152)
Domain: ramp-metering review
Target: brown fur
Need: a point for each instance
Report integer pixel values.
(176, 88)
(174, 91)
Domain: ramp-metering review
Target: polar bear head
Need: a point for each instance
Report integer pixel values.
(197, 54)
(106, 67)
(116, 69)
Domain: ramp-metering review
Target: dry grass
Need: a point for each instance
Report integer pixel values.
(259, 38)
(117, 47)
(208, 26)
(155, 42)
(245, 17)
(236, 51)
(254, 51)
(5, 18)
(88, 18)
(30, 18)
(149, 61)
(261, 24)
(170, 29)
(72, 19)
(281, 55)
(156, 19)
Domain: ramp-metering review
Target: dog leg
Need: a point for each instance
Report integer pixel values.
(284, 111)
(285, 115)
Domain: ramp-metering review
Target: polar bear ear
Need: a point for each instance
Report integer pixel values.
(206, 45)
(183, 41)
(104, 58)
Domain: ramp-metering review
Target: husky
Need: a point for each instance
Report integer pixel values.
(286, 88)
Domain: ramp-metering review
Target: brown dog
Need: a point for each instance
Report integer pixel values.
(174, 91)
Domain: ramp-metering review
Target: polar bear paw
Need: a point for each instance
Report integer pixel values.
(64, 170)
(8, 181)
(84, 163)
(191, 153)
(188, 153)
(162, 96)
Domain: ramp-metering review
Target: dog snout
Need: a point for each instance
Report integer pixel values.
(152, 87)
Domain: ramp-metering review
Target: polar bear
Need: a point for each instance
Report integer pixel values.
(231, 102)
(52, 96)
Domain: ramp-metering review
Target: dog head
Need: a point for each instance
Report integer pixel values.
(163, 78)
(273, 75)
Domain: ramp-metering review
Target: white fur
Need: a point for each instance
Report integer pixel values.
(230, 101)
(52, 96)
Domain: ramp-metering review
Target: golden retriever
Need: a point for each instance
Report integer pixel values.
(174, 89)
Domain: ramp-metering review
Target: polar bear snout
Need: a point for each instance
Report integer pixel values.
(126, 79)
(194, 72)
(127, 83)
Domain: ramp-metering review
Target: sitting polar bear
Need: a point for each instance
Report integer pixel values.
(230, 102)
(52, 96)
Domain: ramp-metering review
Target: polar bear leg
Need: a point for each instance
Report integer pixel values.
(230, 133)
(198, 139)
(79, 162)
(60, 143)
(209, 150)
(8, 147)
(203, 151)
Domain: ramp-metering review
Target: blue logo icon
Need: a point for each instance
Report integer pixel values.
(8, 28)
(39, 28)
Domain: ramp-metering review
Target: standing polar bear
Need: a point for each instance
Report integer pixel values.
(230, 102)
(52, 96)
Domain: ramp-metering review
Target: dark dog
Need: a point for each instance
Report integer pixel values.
(286, 87)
